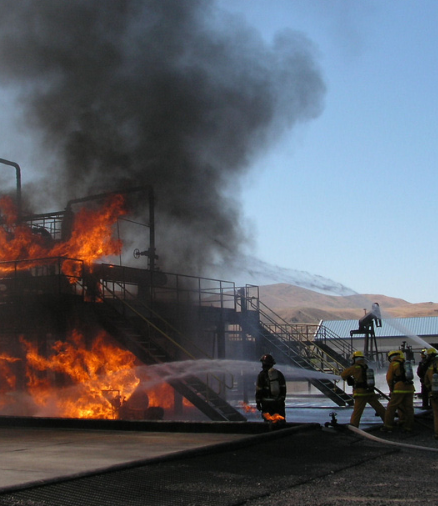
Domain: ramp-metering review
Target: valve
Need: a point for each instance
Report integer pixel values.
(333, 422)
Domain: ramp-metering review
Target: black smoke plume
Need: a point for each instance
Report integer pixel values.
(171, 93)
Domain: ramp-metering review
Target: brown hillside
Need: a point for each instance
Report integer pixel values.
(300, 305)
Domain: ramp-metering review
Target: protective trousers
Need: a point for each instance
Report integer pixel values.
(360, 402)
(434, 404)
(274, 407)
(405, 403)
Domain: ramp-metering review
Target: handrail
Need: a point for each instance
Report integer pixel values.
(312, 345)
(141, 303)
(337, 341)
(29, 271)
(182, 288)
(164, 334)
(290, 335)
(313, 356)
(311, 364)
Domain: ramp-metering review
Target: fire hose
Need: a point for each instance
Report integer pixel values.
(394, 443)
(361, 432)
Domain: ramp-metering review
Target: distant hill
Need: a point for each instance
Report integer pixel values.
(301, 305)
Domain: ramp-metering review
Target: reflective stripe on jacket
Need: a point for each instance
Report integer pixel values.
(356, 371)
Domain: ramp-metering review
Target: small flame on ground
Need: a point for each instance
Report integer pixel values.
(273, 418)
(247, 408)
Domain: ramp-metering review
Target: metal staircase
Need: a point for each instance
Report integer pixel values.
(293, 347)
(154, 340)
(329, 342)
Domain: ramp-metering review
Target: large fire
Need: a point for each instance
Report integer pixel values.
(75, 377)
(74, 380)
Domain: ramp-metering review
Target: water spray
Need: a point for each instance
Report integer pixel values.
(171, 371)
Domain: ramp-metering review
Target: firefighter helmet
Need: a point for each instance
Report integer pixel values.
(267, 359)
(357, 354)
(395, 352)
(431, 352)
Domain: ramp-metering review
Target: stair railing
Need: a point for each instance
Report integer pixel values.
(282, 330)
(221, 382)
(329, 337)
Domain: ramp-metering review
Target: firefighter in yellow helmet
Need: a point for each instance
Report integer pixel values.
(431, 383)
(363, 392)
(401, 391)
(270, 392)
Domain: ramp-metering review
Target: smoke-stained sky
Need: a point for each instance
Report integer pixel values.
(173, 93)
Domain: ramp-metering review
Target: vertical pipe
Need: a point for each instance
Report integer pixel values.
(18, 174)
(151, 229)
(151, 241)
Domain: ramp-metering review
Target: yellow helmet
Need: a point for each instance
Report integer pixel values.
(357, 354)
(395, 352)
(431, 352)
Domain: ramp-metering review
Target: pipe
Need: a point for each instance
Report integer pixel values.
(104, 195)
(149, 188)
(394, 443)
(18, 174)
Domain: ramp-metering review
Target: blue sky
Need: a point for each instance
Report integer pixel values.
(351, 195)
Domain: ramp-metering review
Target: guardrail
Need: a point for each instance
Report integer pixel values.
(281, 329)
(169, 332)
(49, 275)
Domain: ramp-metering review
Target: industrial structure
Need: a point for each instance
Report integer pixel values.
(158, 317)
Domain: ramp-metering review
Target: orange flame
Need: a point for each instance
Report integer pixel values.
(90, 240)
(86, 373)
(79, 381)
(247, 408)
(273, 418)
(7, 378)
(97, 380)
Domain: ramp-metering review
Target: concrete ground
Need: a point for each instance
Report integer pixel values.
(42, 455)
(216, 464)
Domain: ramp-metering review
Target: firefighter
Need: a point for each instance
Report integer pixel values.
(270, 393)
(401, 391)
(363, 392)
(432, 386)
(421, 371)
